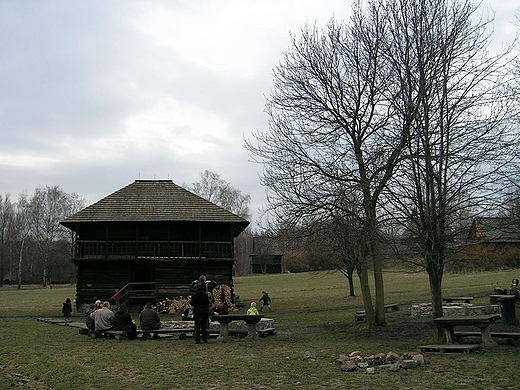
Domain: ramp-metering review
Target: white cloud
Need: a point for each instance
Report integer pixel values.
(97, 94)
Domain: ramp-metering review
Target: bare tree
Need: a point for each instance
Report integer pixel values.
(460, 141)
(7, 224)
(332, 131)
(22, 231)
(47, 207)
(215, 189)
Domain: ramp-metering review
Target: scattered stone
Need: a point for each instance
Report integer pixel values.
(342, 359)
(357, 359)
(392, 357)
(406, 364)
(376, 360)
(419, 359)
(349, 366)
(309, 355)
(390, 361)
(410, 355)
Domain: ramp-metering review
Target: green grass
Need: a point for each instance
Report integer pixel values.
(312, 312)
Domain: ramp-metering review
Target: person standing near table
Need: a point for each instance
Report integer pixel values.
(200, 303)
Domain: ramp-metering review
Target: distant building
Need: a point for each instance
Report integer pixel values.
(150, 240)
(492, 243)
(266, 257)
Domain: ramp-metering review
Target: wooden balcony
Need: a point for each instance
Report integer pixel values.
(152, 249)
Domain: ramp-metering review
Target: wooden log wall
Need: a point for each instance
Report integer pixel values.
(98, 279)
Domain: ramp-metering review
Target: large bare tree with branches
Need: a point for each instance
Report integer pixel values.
(332, 133)
(461, 135)
(401, 103)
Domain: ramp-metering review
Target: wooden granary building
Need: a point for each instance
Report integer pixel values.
(149, 241)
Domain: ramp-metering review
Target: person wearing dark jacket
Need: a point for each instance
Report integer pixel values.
(89, 321)
(67, 310)
(200, 303)
(149, 321)
(148, 318)
(202, 282)
(266, 301)
(123, 322)
(219, 309)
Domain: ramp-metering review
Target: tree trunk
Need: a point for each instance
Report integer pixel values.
(370, 318)
(435, 271)
(380, 291)
(20, 263)
(350, 278)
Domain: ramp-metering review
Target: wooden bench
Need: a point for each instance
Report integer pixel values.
(511, 337)
(360, 315)
(481, 321)
(147, 334)
(445, 348)
(457, 299)
(115, 334)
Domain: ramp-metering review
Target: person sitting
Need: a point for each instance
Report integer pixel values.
(103, 318)
(187, 314)
(123, 322)
(149, 320)
(89, 321)
(219, 309)
(252, 310)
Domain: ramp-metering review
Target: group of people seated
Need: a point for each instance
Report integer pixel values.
(99, 318)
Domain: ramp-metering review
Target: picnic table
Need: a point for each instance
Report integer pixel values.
(250, 320)
(481, 321)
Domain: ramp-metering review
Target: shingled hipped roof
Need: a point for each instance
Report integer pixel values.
(154, 200)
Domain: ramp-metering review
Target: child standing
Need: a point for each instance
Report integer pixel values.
(266, 301)
(67, 310)
(252, 311)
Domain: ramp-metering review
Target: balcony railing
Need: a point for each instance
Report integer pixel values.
(152, 249)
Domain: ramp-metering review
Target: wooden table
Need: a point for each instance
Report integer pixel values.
(482, 322)
(250, 320)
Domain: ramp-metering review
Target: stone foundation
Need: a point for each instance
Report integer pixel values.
(214, 326)
(454, 309)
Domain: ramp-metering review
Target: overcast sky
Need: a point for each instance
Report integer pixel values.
(97, 94)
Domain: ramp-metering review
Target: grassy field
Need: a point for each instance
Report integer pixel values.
(312, 313)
